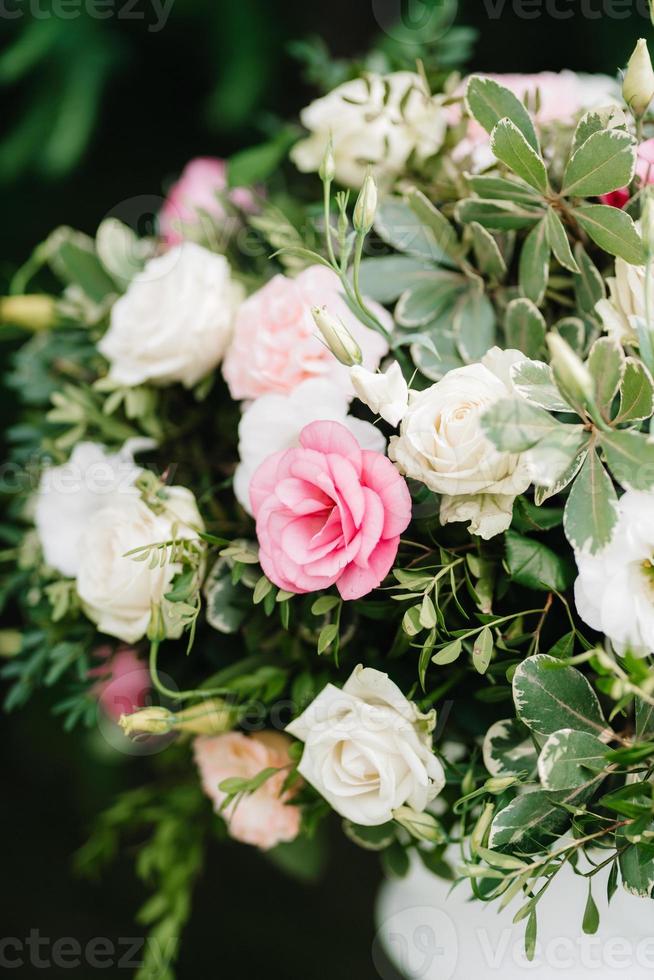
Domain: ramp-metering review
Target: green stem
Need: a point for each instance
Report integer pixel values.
(326, 187)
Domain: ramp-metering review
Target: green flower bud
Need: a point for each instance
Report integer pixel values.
(638, 84)
(570, 372)
(150, 721)
(366, 206)
(337, 337)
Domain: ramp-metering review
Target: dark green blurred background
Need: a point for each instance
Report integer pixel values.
(96, 112)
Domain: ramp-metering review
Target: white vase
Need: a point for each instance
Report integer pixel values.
(429, 932)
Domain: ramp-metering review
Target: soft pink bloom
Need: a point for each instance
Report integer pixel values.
(328, 513)
(124, 681)
(644, 170)
(275, 345)
(196, 193)
(263, 818)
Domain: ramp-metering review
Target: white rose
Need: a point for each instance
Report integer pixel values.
(69, 495)
(614, 592)
(118, 592)
(385, 394)
(442, 444)
(175, 320)
(274, 422)
(367, 749)
(378, 120)
(626, 304)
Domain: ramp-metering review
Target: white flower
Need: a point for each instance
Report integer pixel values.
(175, 320)
(378, 120)
(385, 394)
(626, 305)
(274, 422)
(367, 749)
(614, 592)
(442, 444)
(69, 495)
(118, 592)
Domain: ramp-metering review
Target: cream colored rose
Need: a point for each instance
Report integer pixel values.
(442, 444)
(367, 749)
(379, 120)
(626, 303)
(118, 592)
(175, 320)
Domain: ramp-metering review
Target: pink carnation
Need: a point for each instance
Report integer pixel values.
(644, 170)
(263, 818)
(275, 344)
(328, 513)
(124, 681)
(196, 193)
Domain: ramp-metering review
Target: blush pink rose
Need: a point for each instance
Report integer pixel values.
(263, 818)
(275, 345)
(196, 193)
(124, 681)
(644, 171)
(328, 513)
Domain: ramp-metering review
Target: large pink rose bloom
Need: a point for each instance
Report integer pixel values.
(275, 344)
(196, 194)
(263, 818)
(328, 513)
(123, 681)
(644, 171)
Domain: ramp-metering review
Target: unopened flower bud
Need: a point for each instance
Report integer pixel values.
(570, 372)
(35, 312)
(366, 206)
(211, 717)
(651, 10)
(337, 337)
(638, 85)
(327, 168)
(421, 825)
(148, 721)
(497, 784)
(482, 827)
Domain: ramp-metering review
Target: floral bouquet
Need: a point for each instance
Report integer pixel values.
(336, 495)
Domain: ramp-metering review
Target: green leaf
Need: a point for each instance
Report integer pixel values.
(489, 259)
(551, 459)
(72, 257)
(256, 163)
(534, 268)
(474, 323)
(550, 696)
(503, 189)
(386, 278)
(603, 163)
(531, 934)
(398, 225)
(613, 230)
(559, 243)
(636, 393)
(324, 604)
(591, 920)
(497, 215)
(514, 425)
(508, 749)
(427, 613)
(543, 493)
(630, 457)
(524, 326)
(636, 866)
(573, 331)
(482, 650)
(536, 566)
(447, 654)
(436, 225)
(411, 621)
(327, 636)
(606, 363)
(591, 511)
(510, 146)
(536, 819)
(644, 719)
(589, 284)
(371, 838)
(261, 590)
(567, 758)
(423, 302)
(489, 102)
(534, 380)
(608, 117)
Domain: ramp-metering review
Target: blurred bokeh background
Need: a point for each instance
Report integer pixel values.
(104, 101)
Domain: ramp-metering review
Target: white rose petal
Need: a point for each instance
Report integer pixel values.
(367, 749)
(614, 592)
(379, 120)
(175, 320)
(274, 422)
(385, 394)
(442, 444)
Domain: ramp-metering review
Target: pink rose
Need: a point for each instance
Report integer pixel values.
(328, 513)
(263, 818)
(194, 195)
(644, 170)
(124, 681)
(275, 344)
